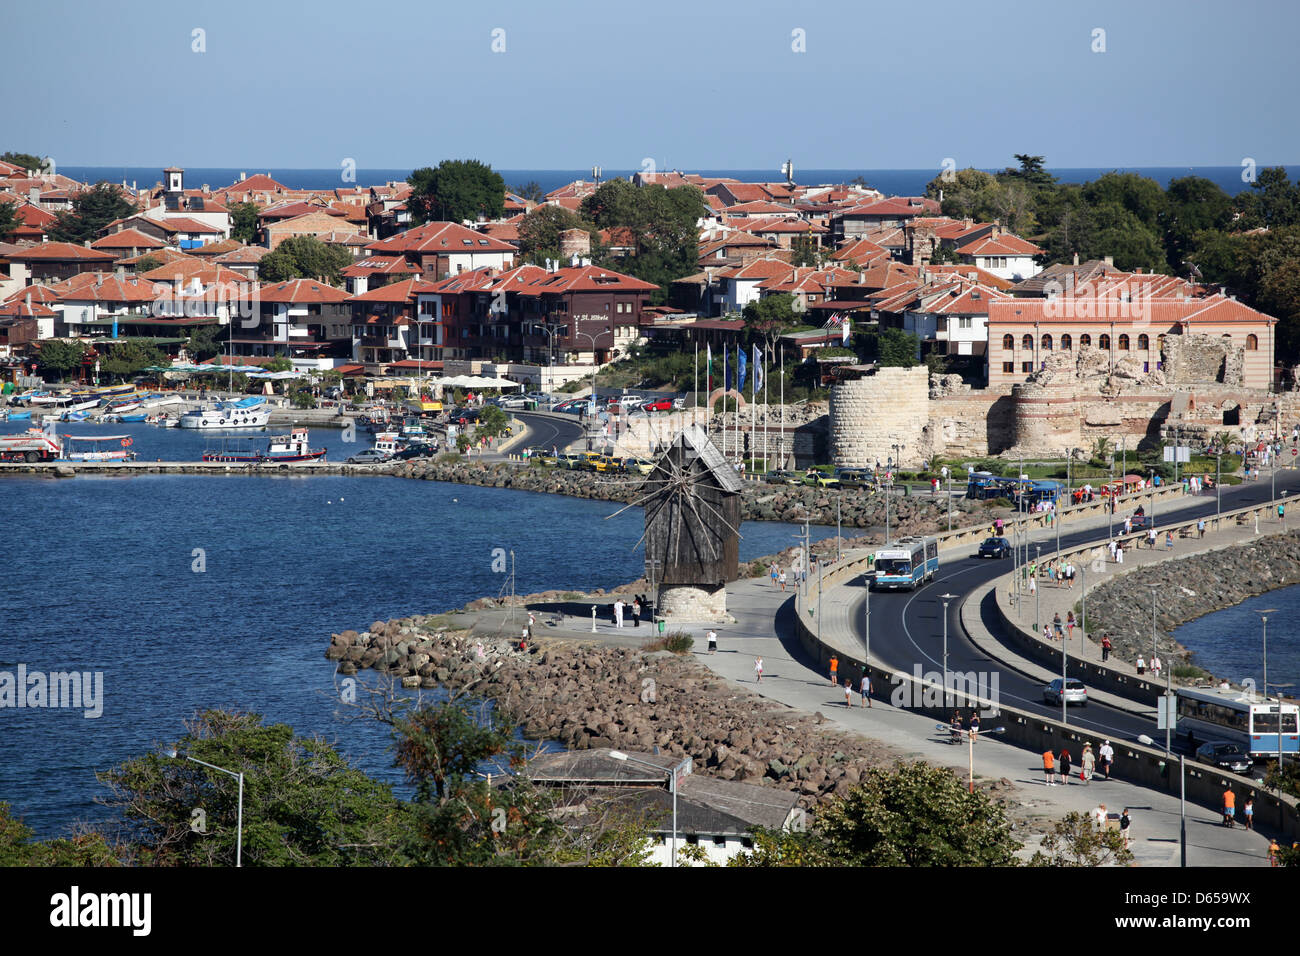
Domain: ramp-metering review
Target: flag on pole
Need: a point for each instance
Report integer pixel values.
(847, 324)
(758, 368)
(708, 368)
(741, 368)
(726, 372)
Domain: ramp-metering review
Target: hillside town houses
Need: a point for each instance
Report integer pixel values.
(417, 296)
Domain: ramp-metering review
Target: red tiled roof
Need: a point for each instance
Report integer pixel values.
(379, 265)
(101, 287)
(1004, 245)
(440, 238)
(127, 239)
(404, 291)
(301, 290)
(62, 251)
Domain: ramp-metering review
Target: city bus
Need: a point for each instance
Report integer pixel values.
(1240, 717)
(906, 563)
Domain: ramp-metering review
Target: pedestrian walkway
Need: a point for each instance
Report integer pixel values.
(765, 628)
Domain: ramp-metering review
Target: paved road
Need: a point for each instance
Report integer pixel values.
(546, 431)
(907, 628)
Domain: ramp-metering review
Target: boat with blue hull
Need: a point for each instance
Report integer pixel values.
(245, 413)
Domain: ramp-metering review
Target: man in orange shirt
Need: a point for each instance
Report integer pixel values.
(835, 666)
(1229, 808)
(1049, 767)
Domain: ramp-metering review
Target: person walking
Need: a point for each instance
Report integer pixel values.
(1126, 828)
(1069, 575)
(975, 725)
(618, 613)
(1049, 767)
(758, 670)
(1119, 554)
(1169, 541)
(1033, 580)
(1151, 538)
(1273, 850)
(1063, 764)
(774, 571)
(781, 578)
(1107, 754)
(1089, 761)
(1058, 626)
(1229, 809)
(1248, 813)
(1155, 667)
(835, 666)
(1112, 550)
(1105, 647)
(848, 692)
(1141, 664)
(1099, 816)
(636, 612)
(1200, 528)
(1069, 625)
(864, 688)
(712, 638)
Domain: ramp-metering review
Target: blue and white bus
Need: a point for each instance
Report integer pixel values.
(906, 563)
(1239, 717)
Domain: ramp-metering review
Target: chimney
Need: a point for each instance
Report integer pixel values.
(34, 196)
(243, 176)
(120, 272)
(1109, 260)
(1076, 259)
(86, 243)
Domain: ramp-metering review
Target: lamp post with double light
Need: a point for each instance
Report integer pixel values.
(675, 776)
(239, 822)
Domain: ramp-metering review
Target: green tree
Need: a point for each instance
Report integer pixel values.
(127, 357)
(1030, 172)
(770, 317)
(147, 263)
(8, 221)
(804, 251)
(304, 257)
(60, 357)
(1193, 204)
(1121, 234)
(91, 211)
(1140, 195)
(1076, 841)
(458, 190)
(18, 848)
(27, 161)
(663, 223)
(539, 233)
(1273, 200)
(204, 342)
(493, 421)
(896, 348)
(243, 221)
(911, 815)
(303, 804)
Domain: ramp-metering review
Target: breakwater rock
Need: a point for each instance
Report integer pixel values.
(1187, 588)
(587, 696)
(908, 514)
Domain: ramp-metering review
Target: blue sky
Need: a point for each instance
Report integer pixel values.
(702, 84)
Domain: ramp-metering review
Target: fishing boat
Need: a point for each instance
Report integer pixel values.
(16, 416)
(413, 430)
(74, 416)
(245, 413)
(156, 400)
(292, 447)
(388, 443)
(98, 448)
(134, 417)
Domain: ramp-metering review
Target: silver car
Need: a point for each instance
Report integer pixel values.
(1075, 692)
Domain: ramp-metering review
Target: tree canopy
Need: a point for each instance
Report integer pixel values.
(304, 257)
(539, 233)
(60, 357)
(27, 161)
(243, 221)
(127, 357)
(91, 211)
(457, 190)
(8, 220)
(770, 317)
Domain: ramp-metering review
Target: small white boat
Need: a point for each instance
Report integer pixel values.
(98, 448)
(245, 413)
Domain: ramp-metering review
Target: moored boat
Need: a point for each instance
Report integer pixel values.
(245, 413)
(98, 448)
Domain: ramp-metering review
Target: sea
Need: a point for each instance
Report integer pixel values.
(892, 182)
(1230, 643)
(193, 592)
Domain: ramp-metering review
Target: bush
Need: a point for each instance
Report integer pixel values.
(677, 642)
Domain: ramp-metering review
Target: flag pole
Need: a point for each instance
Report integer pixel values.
(766, 415)
(780, 442)
(695, 395)
(753, 398)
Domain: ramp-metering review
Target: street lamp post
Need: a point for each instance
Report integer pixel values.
(681, 770)
(239, 823)
(1038, 556)
(1263, 623)
(945, 598)
(950, 499)
(970, 748)
(594, 365)
(1153, 620)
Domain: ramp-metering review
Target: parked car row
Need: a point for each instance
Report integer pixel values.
(597, 462)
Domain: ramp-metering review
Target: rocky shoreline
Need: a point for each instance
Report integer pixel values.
(908, 514)
(1189, 588)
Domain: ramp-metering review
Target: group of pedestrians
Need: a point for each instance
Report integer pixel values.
(777, 574)
(864, 684)
(1058, 767)
(635, 608)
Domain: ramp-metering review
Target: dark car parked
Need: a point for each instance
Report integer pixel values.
(995, 548)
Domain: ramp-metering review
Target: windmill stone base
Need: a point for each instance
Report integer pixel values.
(691, 602)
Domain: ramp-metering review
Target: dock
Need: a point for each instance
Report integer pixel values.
(70, 469)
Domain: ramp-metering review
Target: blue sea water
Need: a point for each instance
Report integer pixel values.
(100, 576)
(1230, 643)
(892, 182)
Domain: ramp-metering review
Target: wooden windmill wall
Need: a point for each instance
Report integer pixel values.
(692, 516)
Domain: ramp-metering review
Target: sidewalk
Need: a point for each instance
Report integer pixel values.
(756, 605)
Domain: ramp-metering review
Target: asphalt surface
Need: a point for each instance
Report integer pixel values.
(907, 627)
(545, 431)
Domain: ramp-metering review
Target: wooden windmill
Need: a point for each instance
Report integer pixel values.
(692, 522)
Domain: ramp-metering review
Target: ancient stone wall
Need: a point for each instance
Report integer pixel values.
(681, 602)
(1202, 359)
(872, 414)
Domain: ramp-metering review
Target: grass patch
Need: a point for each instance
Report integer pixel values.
(677, 642)
(1191, 672)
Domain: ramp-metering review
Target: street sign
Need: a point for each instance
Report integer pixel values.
(1181, 453)
(1167, 715)
(1294, 452)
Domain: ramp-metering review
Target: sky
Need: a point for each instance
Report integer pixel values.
(719, 84)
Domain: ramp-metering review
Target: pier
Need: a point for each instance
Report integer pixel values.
(298, 469)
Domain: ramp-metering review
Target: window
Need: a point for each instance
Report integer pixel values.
(1009, 342)
(1123, 343)
(1085, 340)
(1104, 342)
(1144, 342)
(963, 322)
(1160, 344)
(1026, 367)
(1252, 343)
(1047, 343)
(1027, 342)
(1009, 367)
(1066, 342)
